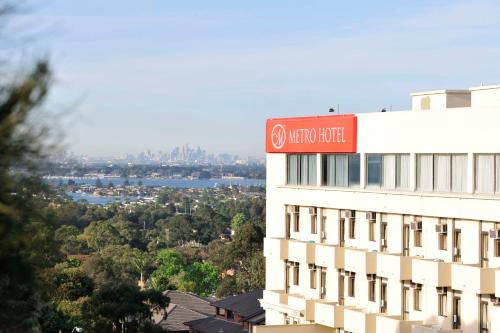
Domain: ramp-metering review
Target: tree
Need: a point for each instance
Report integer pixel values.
(169, 265)
(102, 233)
(200, 278)
(252, 273)
(24, 227)
(67, 235)
(113, 264)
(123, 305)
(237, 221)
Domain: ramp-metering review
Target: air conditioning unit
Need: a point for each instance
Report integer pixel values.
(442, 228)
(495, 233)
(416, 226)
(371, 216)
(371, 277)
(323, 235)
(349, 214)
(290, 209)
(312, 210)
(312, 266)
(441, 290)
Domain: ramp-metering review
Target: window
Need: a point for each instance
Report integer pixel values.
(442, 172)
(497, 247)
(459, 173)
(417, 232)
(341, 170)
(457, 241)
(350, 287)
(418, 238)
(229, 315)
(296, 219)
(425, 103)
(314, 221)
(301, 169)
(389, 171)
(417, 298)
(371, 288)
(383, 237)
(352, 227)
(403, 171)
(443, 241)
(443, 236)
(483, 317)
(424, 172)
(374, 168)
(312, 278)
(296, 274)
(442, 303)
(488, 173)
(371, 230)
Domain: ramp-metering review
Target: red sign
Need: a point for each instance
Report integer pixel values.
(321, 134)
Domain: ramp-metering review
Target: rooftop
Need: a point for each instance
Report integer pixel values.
(247, 304)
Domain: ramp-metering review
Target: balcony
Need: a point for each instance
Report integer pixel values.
(302, 252)
(394, 324)
(295, 305)
(276, 248)
(394, 266)
(304, 328)
(431, 272)
(275, 297)
(359, 321)
(360, 261)
(432, 329)
(329, 256)
(329, 314)
(472, 278)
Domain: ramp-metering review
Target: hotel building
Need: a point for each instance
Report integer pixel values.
(386, 222)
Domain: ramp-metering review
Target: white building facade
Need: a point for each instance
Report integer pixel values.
(393, 225)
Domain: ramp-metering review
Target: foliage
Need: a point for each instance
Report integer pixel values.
(169, 265)
(200, 278)
(237, 221)
(122, 305)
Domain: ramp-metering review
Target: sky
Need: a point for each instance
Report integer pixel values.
(140, 75)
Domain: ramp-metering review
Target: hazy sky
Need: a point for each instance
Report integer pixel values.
(155, 74)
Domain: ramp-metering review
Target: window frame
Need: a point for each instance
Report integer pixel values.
(312, 161)
(351, 285)
(417, 298)
(443, 304)
(351, 159)
(312, 278)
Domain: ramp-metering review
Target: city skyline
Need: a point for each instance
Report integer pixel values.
(179, 154)
(145, 75)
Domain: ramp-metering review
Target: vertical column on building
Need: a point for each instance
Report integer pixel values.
(470, 173)
(362, 170)
(318, 169)
(413, 172)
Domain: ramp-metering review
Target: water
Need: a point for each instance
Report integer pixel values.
(100, 200)
(152, 182)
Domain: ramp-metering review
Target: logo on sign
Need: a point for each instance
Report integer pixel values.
(278, 136)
